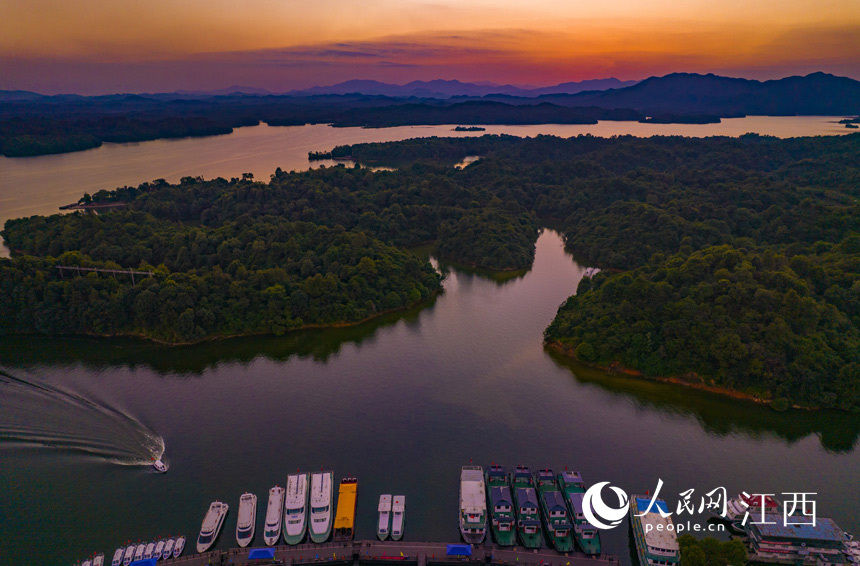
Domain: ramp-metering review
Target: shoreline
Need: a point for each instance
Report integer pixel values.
(615, 368)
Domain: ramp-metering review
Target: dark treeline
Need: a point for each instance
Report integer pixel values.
(734, 261)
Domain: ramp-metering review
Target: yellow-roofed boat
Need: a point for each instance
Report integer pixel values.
(344, 520)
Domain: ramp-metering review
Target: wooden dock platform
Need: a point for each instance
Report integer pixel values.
(408, 553)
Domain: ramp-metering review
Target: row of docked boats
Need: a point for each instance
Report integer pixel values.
(532, 508)
(159, 550)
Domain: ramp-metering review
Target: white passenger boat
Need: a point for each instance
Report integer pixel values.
(128, 556)
(322, 499)
(117, 557)
(87, 562)
(159, 548)
(147, 553)
(138, 552)
(246, 519)
(383, 527)
(99, 559)
(296, 508)
(168, 549)
(398, 517)
(473, 505)
(212, 523)
(274, 516)
(179, 547)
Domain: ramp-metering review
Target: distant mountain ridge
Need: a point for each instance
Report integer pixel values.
(440, 88)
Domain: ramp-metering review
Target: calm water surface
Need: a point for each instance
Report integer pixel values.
(401, 403)
(38, 185)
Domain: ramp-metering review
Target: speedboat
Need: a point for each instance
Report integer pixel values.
(168, 549)
(398, 517)
(159, 466)
(150, 548)
(159, 548)
(117, 557)
(87, 562)
(322, 498)
(138, 552)
(274, 516)
(179, 547)
(128, 556)
(247, 519)
(211, 527)
(99, 559)
(383, 526)
(296, 508)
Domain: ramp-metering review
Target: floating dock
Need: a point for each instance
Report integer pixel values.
(373, 552)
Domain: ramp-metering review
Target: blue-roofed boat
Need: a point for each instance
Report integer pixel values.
(653, 533)
(584, 532)
(501, 505)
(555, 515)
(527, 507)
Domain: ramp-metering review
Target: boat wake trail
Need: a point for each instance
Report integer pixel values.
(43, 415)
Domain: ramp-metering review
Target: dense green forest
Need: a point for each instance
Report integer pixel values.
(731, 262)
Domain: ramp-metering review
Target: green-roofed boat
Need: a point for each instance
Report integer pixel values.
(584, 532)
(555, 516)
(501, 506)
(527, 507)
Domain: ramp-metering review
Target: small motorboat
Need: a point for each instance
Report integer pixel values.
(138, 552)
(117, 557)
(99, 559)
(159, 466)
(159, 548)
(147, 554)
(178, 547)
(87, 562)
(168, 549)
(128, 556)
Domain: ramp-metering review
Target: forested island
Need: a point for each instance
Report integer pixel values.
(730, 263)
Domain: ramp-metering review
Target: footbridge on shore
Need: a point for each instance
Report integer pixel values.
(407, 553)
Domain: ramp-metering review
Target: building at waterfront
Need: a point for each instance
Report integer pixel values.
(776, 542)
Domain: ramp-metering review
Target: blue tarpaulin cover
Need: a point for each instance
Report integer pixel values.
(459, 550)
(146, 562)
(642, 505)
(261, 554)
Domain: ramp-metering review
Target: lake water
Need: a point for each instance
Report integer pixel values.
(38, 185)
(401, 403)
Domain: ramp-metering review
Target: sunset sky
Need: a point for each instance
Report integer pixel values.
(99, 46)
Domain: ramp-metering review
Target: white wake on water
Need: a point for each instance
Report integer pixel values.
(35, 414)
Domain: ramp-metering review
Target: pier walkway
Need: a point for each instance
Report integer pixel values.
(408, 553)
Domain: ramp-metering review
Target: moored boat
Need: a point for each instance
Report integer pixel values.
(556, 520)
(246, 519)
(322, 500)
(99, 559)
(527, 507)
(738, 507)
(274, 516)
(653, 534)
(209, 529)
(168, 548)
(159, 548)
(473, 505)
(398, 517)
(344, 519)
(383, 524)
(117, 557)
(138, 552)
(147, 553)
(296, 508)
(179, 546)
(128, 555)
(584, 532)
(501, 506)
(87, 562)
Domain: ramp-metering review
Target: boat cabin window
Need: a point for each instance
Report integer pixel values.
(319, 509)
(203, 539)
(295, 511)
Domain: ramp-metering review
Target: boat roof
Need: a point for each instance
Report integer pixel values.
(825, 529)
(497, 472)
(210, 521)
(246, 509)
(346, 497)
(659, 535)
(472, 495)
(571, 477)
(553, 500)
(500, 495)
(576, 501)
(399, 503)
(320, 488)
(297, 486)
(754, 500)
(526, 495)
(384, 502)
(659, 505)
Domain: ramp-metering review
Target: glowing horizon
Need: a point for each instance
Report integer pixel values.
(97, 46)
